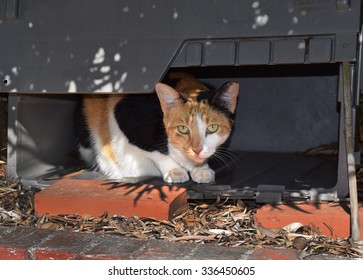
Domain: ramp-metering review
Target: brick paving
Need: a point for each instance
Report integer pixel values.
(42, 244)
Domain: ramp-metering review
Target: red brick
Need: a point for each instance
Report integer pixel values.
(334, 215)
(91, 197)
(16, 244)
(64, 246)
(12, 253)
(274, 254)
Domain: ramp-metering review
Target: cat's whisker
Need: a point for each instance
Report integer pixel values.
(222, 160)
(219, 159)
(223, 163)
(226, 157)
(232, 154)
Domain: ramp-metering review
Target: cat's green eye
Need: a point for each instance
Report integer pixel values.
(183, 129)
(212, 128)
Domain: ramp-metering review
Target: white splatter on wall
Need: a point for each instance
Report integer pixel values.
(99, 56)
(117, 57)
(72, 87)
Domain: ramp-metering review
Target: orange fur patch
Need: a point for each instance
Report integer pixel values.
(187, 84)
(96, 109)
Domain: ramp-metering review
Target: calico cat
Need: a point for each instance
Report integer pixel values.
(168, 134)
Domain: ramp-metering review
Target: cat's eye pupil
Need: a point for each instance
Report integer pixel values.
(183, 129)
(212, 128)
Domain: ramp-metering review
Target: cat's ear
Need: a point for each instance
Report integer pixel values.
(226, 96)
(168, 96)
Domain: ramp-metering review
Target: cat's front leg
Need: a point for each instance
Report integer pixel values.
(202, 174)
(177, 175)
(171, 171)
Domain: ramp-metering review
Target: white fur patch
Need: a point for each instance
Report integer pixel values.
(130, 161)
(202, 128)
(209, 142)
(179, 158)
(87, 155)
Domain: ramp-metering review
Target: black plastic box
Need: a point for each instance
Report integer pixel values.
(286, 55)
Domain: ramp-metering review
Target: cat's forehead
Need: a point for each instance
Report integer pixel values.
(191, 108)
(195, 94)
(196, 105)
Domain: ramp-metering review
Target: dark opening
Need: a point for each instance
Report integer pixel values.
(286, 129)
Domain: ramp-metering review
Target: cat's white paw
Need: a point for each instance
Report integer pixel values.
(202, 175)
(177, 175)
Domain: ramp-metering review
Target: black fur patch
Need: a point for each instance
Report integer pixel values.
(140, 118)
(214, 103)
(80, 127)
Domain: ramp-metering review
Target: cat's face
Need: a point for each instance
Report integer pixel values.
(197, 126)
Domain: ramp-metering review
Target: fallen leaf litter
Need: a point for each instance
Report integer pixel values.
(224, 223)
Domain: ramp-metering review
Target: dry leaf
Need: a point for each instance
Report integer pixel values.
(139, 234)
(241, 204)
(193, 237)
(182, 210)
(293, 227)
(299, 242)
(266, 232)
(50, 226)
(221, 231)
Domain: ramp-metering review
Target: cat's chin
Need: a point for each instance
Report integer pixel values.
(199, 160)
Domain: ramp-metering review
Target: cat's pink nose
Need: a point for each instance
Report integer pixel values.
(197, 150)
